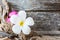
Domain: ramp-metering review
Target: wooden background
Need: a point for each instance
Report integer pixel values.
(46, 14)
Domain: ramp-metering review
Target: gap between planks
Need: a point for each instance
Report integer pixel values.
(42, 10)
(51, 33)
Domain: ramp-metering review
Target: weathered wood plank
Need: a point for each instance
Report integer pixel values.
(46, 21)
(51, 33)
(36, 4)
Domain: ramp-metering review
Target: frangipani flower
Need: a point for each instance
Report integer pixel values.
(7, 20)
(10, 14)
(13, 13)
(21, 23)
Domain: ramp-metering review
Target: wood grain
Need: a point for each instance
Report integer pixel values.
(36, 4)
(46, 13)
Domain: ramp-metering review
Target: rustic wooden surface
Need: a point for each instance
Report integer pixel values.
(36, 4)
(46, 14)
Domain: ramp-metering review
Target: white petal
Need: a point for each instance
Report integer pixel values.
(22, 15)
(14, 19)
(26, 30)
(29, 21)
(16, 29)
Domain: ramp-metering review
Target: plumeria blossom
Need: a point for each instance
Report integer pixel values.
(7, 20)
(13, 13)
(21, 23)
(10, 14)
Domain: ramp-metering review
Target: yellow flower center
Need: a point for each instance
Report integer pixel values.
(21, 23)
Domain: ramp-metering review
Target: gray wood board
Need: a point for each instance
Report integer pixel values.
(46, 21)
(36, 4)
